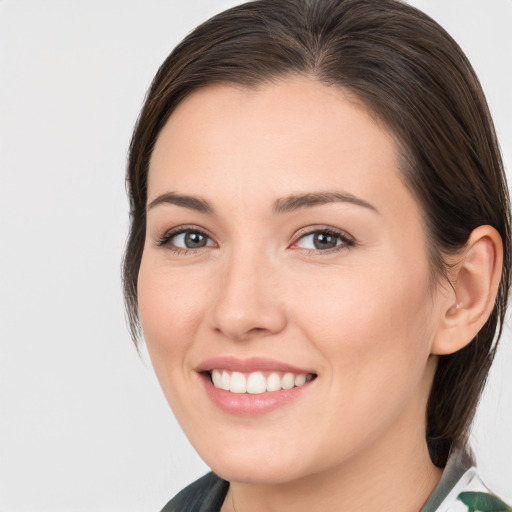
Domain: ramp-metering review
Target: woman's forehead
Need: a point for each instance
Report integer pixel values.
(292, 132)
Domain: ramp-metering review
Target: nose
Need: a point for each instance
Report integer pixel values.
(248, 303)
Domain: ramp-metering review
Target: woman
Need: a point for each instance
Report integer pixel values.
(319, 256)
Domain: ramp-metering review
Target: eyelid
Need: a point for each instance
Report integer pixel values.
(165, 239)
(347, 239)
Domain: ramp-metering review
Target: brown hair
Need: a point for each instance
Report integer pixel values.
(413, 76)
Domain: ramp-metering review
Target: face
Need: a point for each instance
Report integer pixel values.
(286, 261)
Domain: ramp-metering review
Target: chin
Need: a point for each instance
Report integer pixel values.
(255, 464)
(255, 473)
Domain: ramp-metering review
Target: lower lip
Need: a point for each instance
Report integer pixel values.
(247, 404)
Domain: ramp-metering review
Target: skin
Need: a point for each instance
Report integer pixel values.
(365, 316)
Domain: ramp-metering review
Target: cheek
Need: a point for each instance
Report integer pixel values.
(374, 325)
(374, 336)
(170, 306)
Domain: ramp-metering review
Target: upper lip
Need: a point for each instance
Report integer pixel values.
(251, 364)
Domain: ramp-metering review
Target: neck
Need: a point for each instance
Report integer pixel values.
(381, 480)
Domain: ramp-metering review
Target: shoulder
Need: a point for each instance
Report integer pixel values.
(204, 495)
(471, 494)
(461, 488)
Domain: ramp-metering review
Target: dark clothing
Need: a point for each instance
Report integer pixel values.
(204, 495)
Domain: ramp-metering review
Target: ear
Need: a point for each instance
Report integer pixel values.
(474, 280)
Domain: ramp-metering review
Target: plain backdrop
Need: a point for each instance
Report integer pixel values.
(84, 426)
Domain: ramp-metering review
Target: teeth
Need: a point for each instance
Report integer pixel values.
(256, 382)
(273, 382)
(238, 383)
(288, 381)
(217, 379)
(225, 381)
(300, 380)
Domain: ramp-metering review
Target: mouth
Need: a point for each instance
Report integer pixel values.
(253, 386)
(257, 382)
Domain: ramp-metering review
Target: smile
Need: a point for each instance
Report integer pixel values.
(254, 386)
(257, 382)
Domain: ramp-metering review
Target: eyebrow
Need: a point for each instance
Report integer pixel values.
(191, 202)
(283, 205)
(300, 201)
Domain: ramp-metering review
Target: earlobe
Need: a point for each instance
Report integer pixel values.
(475, 279)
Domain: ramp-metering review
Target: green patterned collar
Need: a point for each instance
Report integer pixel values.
(459, 462)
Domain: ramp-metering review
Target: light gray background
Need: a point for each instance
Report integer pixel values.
(84, 426)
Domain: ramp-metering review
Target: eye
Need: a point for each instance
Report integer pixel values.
(323, 240)
(186, 239)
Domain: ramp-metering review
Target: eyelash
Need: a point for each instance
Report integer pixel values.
(165, 240)
(346, 240)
